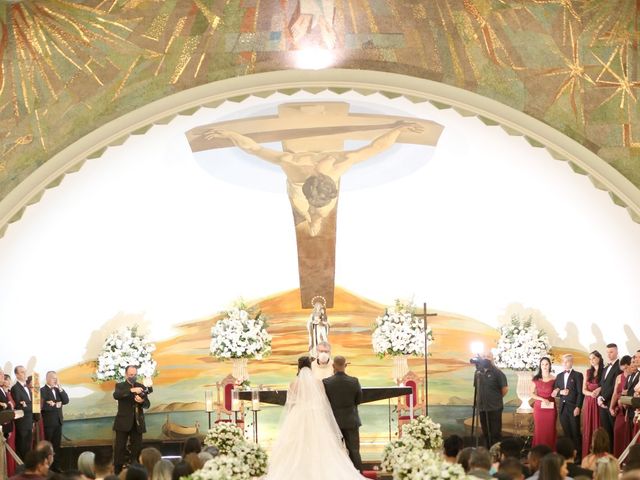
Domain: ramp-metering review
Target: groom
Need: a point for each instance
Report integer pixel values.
(344, 395)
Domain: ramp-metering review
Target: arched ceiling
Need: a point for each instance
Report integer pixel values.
(70, 67)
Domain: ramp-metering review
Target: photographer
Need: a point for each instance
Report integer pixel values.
(129, 424)
(491, 386)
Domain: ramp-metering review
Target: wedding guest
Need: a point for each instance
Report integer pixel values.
(553, 467)
(191, 445)
(181, 469)
(534, 459)
(136, 472)
(607, 382)
(568, 388)
(510, 469)
(632, 462)
(512, 447)
(621, 431)
(480, 463)
(496, 455)
(148, 458)
(606, 469)
(544, 408)
(452, 446)
(591, 390)
(194, 461)
(86, 464)
(8, 428)
(23, 401)
(102, 465)
(599, 449)
(464, 456)
(566, 448)
(36, 466)
(163, 470)
(632, 385)
(53, 397)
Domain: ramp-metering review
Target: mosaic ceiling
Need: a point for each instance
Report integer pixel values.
(70, 67)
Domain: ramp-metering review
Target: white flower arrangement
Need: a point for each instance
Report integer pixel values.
(243, 462)
(403, 456)
(121, 348)
(521, 345)
(240, 336)
(224, 436)
(424, 430)
(399, 332)
(418, 464)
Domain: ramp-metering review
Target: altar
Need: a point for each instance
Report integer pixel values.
(369, 394)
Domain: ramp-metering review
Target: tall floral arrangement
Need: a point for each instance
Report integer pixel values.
(223, 436)
(521, 345)
(240, 334)
(399, 332)
(125, 347)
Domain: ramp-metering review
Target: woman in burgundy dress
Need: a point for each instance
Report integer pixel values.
(544, 408)
(618, 411)
(591, 390)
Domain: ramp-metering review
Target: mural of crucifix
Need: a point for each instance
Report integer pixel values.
(313, 160)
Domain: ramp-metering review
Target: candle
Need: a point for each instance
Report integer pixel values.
(255, 399)
(235, 401)
(208, 401)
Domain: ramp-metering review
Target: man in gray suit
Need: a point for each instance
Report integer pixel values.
(345, 395)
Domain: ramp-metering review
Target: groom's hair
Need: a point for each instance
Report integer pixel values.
(339, 361)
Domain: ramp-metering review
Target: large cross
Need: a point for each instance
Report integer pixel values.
(425, 316)
(313, 159)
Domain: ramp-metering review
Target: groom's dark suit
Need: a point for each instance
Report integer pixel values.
(344, 395)
(607, 382)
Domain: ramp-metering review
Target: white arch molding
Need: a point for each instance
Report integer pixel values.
(467, 103)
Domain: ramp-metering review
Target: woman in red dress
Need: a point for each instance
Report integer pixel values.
(591, 390)
(618, 411)
(544, 408)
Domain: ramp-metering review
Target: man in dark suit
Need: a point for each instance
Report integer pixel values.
(632, 380)
(129, 424)
(568, 388)
(607, 383)
(23, 401)
(7, 428)
(345, 395)
(53, 397)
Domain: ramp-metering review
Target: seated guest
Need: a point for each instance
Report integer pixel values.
(163, 470)
(510, 469)
(194, 461)
(102, 465)
(512, 447)
(86, 464)
(452, 446)
(136, 472)
(600, 446)
(191, 445)
(463, 458)
(182, 469)
(536, 454)
(36, 466)
(606, 469)
(553, 467)
(148, 458)
(566, 448)
(494, 451)
(480, 463)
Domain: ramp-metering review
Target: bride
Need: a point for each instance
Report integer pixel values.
(309, 445)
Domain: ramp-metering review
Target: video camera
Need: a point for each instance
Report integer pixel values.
(480, 362)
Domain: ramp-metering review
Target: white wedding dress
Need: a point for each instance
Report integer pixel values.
(309, 444)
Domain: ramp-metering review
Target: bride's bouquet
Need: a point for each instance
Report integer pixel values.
(224, 436)
(121, 348)
(521, 345)
(238, 335)
(399, 332)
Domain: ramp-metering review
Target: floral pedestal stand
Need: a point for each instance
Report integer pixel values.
(523, 390)
(400, 367)
(239, 369)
